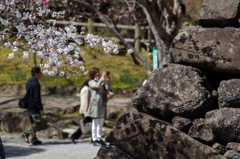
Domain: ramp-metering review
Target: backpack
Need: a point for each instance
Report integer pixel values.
(23, 101)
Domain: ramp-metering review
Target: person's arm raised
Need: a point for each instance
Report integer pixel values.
(98, 84)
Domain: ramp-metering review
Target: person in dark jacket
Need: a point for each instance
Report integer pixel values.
(34, 106)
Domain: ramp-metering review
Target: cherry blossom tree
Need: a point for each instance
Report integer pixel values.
(57, 48)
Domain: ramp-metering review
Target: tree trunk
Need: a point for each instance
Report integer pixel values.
(159, 43)
(135, 60)
(35, 59)
(170, 16)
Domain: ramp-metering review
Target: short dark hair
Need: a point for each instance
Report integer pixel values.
(93, 72)
(35, 70)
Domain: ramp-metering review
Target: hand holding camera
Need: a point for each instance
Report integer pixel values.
(106, 74)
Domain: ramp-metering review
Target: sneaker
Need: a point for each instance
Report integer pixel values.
(37, 142)
(25, 137)
(97, 143)
(72, 139)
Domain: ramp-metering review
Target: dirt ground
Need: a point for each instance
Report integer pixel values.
(51, 101)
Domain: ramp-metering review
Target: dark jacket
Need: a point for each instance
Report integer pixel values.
(34, 103)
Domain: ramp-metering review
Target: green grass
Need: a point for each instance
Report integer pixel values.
(124, 73)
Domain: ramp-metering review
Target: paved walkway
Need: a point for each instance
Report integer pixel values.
(16, 148)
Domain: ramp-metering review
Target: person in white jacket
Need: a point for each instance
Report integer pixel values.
(85, 95)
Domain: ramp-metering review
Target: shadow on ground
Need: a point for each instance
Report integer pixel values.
(17, 151)
(55, 143)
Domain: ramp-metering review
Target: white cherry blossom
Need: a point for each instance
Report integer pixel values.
(86, 72)
(61, 73)
(7, 44)
(49, 42)
(11, 55)
(45, 72)
(25, 55)
(130, 51)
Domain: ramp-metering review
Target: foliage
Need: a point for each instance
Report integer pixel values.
(19, 76)
(124, 73)
(130, 80)
(192, 12)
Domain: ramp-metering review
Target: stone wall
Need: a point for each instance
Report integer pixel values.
(190, 109)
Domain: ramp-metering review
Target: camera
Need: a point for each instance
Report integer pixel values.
(108, 72)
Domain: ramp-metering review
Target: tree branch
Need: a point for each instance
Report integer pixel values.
(155, 21)
(111, 27)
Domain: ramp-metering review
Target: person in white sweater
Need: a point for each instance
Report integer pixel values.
(85, 95)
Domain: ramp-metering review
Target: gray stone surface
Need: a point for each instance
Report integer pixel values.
(111, 152)
(219, 13)
(229, 93)
(212, 49)
(182, 124)
(231, 154)
(52, 132)
(225, 124)
(233, 146)
(142, 136)
(19, 123)
(219, 148)
(175, 90)
(201, 131)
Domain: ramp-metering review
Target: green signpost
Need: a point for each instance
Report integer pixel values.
(155, 58)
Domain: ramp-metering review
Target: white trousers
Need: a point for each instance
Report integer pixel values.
(97, 125)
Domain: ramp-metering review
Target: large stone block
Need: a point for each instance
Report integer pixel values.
(182, 124)
(201, 132)
(16, 123)
(19, 123)
(233, 146)
(220, 13)
(212, 49)
(175, 90)
(232, 154)
(142, 136)
(225, 124)
(229, 93)
(111, 152)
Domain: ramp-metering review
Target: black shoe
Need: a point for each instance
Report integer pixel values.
(25, 137)
(37, 142)
(72, 139)
(97, 143)
(102, 142)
